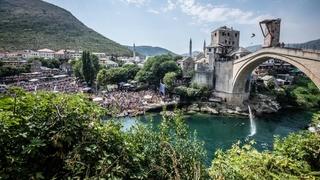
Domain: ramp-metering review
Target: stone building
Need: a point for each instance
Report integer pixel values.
(214, 65)
(271, 32)
(187, 66)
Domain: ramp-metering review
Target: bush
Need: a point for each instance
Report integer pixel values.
(58, 136)
(245, 162)
(303, 146)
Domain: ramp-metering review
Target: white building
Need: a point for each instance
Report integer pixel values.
(99, 55)
(46, 53)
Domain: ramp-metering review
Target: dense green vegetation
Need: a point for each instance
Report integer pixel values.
(52, 135)
(303, 93)
(86, 68)
(156, 67)
(116, 75)
(192, 93)
(35, 24)
(49, 63)
(47, 135)
(12, 71)
(169, 80)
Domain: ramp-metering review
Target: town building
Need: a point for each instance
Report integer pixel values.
(46, 53)
(224, 47)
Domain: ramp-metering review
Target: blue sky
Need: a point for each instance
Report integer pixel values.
(170, 23)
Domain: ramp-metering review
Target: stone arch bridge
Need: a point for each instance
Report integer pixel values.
(234, 89)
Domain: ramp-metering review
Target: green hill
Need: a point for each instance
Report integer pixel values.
(35, 24)
(151, 51)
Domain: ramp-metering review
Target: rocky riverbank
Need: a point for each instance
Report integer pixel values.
(260, 104)
(264, 104)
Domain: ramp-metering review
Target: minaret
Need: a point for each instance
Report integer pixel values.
(190, 48)
(204, 46)
(134, 50)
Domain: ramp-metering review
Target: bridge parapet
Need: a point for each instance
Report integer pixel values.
(305, 54)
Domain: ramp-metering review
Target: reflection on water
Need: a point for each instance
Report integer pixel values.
(220, 132)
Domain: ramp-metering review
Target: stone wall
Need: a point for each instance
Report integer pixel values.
(204, 78)
(223, 76)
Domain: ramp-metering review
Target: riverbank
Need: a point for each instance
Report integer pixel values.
(260, 105)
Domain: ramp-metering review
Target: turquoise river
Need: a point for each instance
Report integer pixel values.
(220, 132)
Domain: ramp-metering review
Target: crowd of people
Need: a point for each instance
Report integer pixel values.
(130, 103)
(63, 84)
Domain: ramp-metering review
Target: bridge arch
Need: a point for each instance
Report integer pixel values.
(244, 67)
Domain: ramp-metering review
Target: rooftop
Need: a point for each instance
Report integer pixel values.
(46, 50)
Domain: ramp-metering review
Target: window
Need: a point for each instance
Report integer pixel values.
(228, 34)
(215, 34)
(223, 33)
(236, 34)
(232, 42)
(225, 41)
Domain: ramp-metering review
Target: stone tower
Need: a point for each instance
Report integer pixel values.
(134, 50)
(204, 46)
(270, 32)
(226, 37)
(190, 48)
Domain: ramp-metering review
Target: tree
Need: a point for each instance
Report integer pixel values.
(77, 68)
(117, 75)
(156, 67)
(102, 77)
(89, 67)
(132, 70)
(169, 80)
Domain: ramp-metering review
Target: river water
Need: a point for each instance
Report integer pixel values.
(220, 132)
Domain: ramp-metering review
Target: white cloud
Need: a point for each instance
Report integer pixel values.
(175, 18)
(208, 13)
(153, 11)
(170, 6)
(136, 2)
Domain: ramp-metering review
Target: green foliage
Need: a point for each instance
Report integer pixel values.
(132, 70)
(12, 71)
(304, 94)
(117, 75)
(245, 162)
(192, 93)
(171, 152)
(303, 146)
(49, 63)
(77, 68)
(169, 80)
(316, 120)
(39, 131)
(86, 68)
(156, 67)
(307, 96)
(58, 136)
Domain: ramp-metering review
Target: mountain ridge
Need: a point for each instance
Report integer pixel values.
(151, 50)
(36, 24)
(313, 45)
